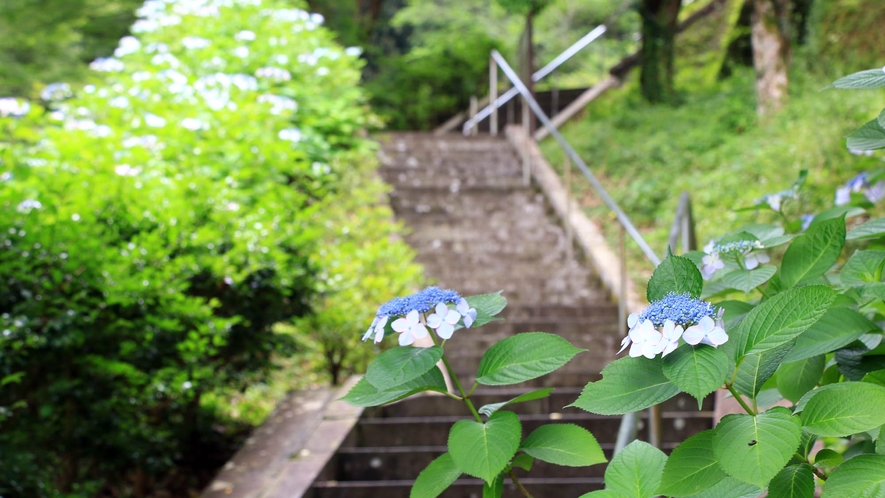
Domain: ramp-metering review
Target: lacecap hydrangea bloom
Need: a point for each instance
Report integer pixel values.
(749, 250)
(658, 328)
(411, 319)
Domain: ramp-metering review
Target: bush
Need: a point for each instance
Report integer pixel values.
(155, 229)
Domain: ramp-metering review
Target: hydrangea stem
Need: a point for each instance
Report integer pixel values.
(464, 396)
(519, 485)
(819, 473)
(740, 400)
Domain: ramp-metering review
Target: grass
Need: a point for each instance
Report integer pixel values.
(713, 146)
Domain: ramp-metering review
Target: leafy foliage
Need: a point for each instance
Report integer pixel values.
(158, 227)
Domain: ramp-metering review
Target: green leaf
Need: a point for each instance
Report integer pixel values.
(563, 444)
(730, 488)
(794, 481)
(800, 406)
(636, 471)
(845, 409)
(523, 461)
(365, 394)
(880, 441)
(782, 318)
(754, 449)
(828, 458)
(855, 362)
(860, 477)
(603, 493)
(12, 378)
(870, 136)
(491, 408)
(747, 280)
(869, 230)
(627, 385)
(863, 267)
(796, 378)
(811, 255)
(881, 118)
(524, 357)
(487, 306)
(838, 327)
(495, 489)
(691, 468)
(697, 370)
(734, 311)
(436, 478)
(837, 212)
(876, 377)
(674, 275)
(483, 450)
(758, 368)
(870, 78)
(401, 364)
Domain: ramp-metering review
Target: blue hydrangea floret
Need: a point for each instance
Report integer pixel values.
(660, 326)
(410, 312)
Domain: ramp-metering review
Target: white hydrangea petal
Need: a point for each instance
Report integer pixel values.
(418, 331)
(624, 343)
(694, 335)
(400, 325)
(445, 331)
(469, 318)
(406, 339)
(632, 320)
(441, 309)
(463, 306)
(717, 336)
(434, 321)
(635, 350)
(452, 317)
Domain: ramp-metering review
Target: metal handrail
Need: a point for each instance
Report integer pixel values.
(536, 76)
(683, 225)
(536, 108)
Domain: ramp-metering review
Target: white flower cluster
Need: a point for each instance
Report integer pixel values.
(13, 107)
(659, 327)
(748, 251)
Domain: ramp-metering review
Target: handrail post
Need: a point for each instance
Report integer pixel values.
(473, 109)
(526, 158)
(493, 97)
(569, 231)
(627, 429)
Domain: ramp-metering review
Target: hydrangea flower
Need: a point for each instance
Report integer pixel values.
(658, 328)
(409, 328)
(706, 332)
(747, 249)
(860, 184)
(711, 264)
(443, 320)
(412, 307)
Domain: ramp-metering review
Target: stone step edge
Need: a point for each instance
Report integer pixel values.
(459, 482)
(554, 417)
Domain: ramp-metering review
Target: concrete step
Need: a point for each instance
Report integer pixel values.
(540, 487)
(439, 405)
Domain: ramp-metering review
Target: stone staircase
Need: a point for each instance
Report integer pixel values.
(478, 229)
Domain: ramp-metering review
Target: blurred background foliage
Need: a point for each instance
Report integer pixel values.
(196, 222)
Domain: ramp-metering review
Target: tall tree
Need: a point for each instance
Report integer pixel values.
(659, 27)
(771, 53)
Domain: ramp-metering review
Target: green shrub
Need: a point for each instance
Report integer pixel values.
(157, 226)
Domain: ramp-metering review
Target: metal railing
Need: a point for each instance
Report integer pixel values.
(683, 227)
(495, 101)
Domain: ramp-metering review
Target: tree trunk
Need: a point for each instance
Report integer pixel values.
(658, 48)
(527, 65)
(771, 53)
